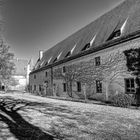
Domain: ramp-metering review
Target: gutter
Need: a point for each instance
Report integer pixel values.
(103, 46)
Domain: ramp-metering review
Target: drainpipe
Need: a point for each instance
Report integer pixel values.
(52, 80)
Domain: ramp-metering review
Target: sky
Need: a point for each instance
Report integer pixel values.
(33, 25)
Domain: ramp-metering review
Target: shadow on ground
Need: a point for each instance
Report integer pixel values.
(17, 125)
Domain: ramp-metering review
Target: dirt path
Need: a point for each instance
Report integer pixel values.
(70, 120)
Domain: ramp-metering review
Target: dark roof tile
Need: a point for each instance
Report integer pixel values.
(102, 27)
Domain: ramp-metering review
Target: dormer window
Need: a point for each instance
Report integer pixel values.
(114, 35)
(92, 41)
(87, 46)
(59, 56)
(48, 61)
(68, 54)
(42, 63)
(73, 49)
(119, 30)
(54, 60)
(117, 34)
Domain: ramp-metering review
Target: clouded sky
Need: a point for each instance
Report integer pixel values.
(33, 25)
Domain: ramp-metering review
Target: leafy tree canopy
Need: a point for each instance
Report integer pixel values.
(6, 65)
(133, 60)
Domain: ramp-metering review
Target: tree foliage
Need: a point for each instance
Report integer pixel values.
(122, 100)
(6, 65)
(69, 76)
(133, 60)
(133, 65)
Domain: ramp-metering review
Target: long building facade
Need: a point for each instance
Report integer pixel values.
(91, 62)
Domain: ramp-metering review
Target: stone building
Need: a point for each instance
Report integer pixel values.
(20, 76)
(91, 61)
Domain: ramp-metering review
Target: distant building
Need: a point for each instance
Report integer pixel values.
(91, 61)
(20, 75)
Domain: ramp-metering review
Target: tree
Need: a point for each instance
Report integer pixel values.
(13, 82)
(133, 61)
(69, 77)
(87, 73)
(111, 67)
(133, 65)
(6, 65)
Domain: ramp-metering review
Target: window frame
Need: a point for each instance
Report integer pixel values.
(34, 87)
(34, 76)
(79, 86)
(63, 69)
(55, 60)
(86, 47)
(131, 88)
(97, 61)
(99, 87)
(68, 54)
(46, 74)
(64, 87)
(40, 88)
(30, 87)
(114, 35)
(46, 63)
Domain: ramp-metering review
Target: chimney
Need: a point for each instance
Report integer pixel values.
(40, 54)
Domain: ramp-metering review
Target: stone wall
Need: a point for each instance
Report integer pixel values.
(41, 80)
(111, 73)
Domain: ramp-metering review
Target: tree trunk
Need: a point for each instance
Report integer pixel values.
(54, 90)
(84, 90)
(71, 89)
(107, 90)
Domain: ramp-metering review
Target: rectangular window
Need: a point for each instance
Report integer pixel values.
(34, 76)
(46, 73)
(97, 61)
(64, 69)
(98, 86)
(79, 86)
(40, 88)
(30, 87)
(34, 87)
(130, 86)
(64, 87)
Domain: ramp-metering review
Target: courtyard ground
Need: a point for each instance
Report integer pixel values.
(28, 117)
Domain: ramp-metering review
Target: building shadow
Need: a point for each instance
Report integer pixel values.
(18, 126)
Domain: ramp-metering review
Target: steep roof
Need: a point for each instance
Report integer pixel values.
(125, 17)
